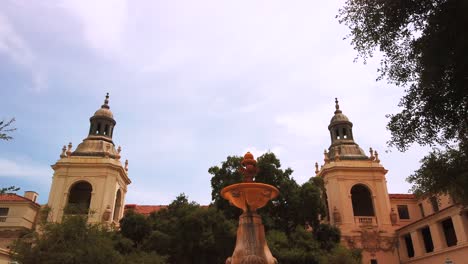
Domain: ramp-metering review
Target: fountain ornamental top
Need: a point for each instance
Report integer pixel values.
(249, 167)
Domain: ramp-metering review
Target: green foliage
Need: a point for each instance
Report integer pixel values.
(76, 209)
(285, 217)
(5, 129)
(424, 50)
(10, 189)
(184, 232)
(295, 205)
(328, 236)
(73, 241)
(341, 255)
(443, 171)
(135, 227)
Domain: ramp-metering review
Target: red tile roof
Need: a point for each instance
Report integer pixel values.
(401, 196)
(13, 197)
(144, 209)
(148, 209)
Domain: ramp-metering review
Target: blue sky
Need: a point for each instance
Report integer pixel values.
(191, 82)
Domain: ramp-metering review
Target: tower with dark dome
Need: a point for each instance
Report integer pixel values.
(342, 140)
(91, 180)
(356, 191)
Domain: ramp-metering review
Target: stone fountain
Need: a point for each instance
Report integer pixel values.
(251, 246)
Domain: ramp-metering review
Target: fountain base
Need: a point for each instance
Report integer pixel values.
(251, 246)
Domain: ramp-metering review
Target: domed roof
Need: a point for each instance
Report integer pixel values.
(105, 111)
(339, 117)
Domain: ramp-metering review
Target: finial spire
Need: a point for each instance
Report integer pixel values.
(337, 106)
(106, 102)
(249, 167)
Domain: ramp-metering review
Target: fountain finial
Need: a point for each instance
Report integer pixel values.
(249, 167)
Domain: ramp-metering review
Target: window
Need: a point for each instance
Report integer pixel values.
(421, 208)
(362, 201)
(373, 261)
(3, 214)
(427, 238)
(434, 203)
(117, 206)
(409, 245)
(79, 198)
(403, 211)
(449, 232)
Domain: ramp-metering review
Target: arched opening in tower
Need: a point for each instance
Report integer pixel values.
(362, 201)
(79, 198)
(117, 206)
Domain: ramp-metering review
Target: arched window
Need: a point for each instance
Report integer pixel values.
(79, 198)
(117, 206)
(98, 130)
(362, 201)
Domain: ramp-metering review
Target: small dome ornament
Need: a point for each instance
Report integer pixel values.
(106, 102)
(376, 157)
(316, 168)
(126, 165)
(393, 217)
(249, 167)
(64, 152)
(69, 151)
(337, 106)
(326, 159)
(371, 151)
(119, 149)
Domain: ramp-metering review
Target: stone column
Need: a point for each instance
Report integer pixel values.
(402, 248)
(251, 246)
(461, 228)
(417, 244)
(438, 237)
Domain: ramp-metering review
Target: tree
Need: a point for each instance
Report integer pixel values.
(287, 217)
(72, 241)
(75, 241)
(9, 189)
(5, 129)
(424, 46)
(295, 205)
(135, 227)
(185, 232)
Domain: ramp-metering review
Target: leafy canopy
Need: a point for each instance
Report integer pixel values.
(424, 47)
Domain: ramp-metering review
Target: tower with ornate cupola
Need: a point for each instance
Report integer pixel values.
(357, 196)
(91, 180)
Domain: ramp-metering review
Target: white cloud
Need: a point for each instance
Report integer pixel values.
(103, 23)
(258, 152)
(15, 47)
(24, 170)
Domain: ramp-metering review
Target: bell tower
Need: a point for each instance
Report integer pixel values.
(357, 196)
(91, 180)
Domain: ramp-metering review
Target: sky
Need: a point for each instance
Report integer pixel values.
(190, 83)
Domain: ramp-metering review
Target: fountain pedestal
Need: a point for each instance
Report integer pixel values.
(251, 246)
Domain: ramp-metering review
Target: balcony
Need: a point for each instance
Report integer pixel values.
(365, 220)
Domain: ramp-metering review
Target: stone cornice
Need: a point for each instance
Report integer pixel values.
(87, 163)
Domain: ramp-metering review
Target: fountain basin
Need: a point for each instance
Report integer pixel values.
(249, 196)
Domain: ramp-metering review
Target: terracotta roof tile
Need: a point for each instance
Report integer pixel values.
(148, 209)
(144, 209)
(13, 197)
(401, 196)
